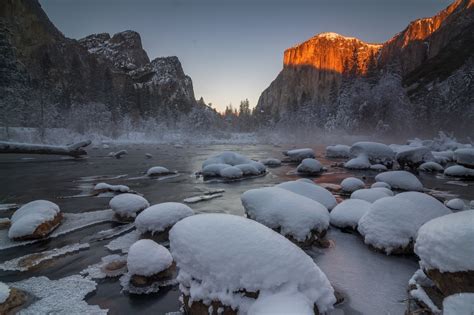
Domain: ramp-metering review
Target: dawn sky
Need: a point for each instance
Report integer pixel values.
(233, 49)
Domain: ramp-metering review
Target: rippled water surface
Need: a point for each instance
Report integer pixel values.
(372, 283)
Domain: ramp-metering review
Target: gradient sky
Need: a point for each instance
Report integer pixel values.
(234, 49)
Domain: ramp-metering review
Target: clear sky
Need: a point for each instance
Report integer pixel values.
(233, 49)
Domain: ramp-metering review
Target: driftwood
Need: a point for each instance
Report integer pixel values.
(75, 149)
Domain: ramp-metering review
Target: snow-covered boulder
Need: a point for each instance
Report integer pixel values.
(10, 298)
(444, 246)
(443, 157)
(309, 189)
(271, 162)
(361, 162)
(299, 218)
(161, 217)
(34, 220)
(351, 184)
(338, 151)
(231, 165)
(430, 167)
(371, 194)
(126, 206)
(212, 170)
(231, 172)
(414, 157)
(310, 166)
(377, 153)
(248, 169)
(148, 262)
(402, 180)
(459, 304)
(231, 262)
(282, 303)
(298, 155)
(381, 185)
(465, 157)
(459, 171)
(227, 157)
(104, 187)
(158, 171)
(392, 223)
(378, 167)
(348, 213)
(455, 204)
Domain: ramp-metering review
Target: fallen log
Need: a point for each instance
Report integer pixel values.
(75, 149)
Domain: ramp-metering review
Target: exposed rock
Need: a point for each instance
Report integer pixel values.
(452, 282)
(14, 300)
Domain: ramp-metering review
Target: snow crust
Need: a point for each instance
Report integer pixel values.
(371, 194)
(309, 189)
(348, 213)
(338, 151)
(157, 171)
(220, 254)
(310, 166)
(158, 218)
(377, 153)
(455, 204)
(465, 157)
(444, 243)
(294, 214)
(4, 292)
(459, 304)
(361, 162)
(459, 171)
(147, 258)
(31, 215)
(298, 155)
(430, 167)
(393, 222)
(402, 180)
(116, 188)
(127, 205)
(351, 184)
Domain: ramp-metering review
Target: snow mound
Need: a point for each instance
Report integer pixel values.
(213, 169)
(247, 169)
(219, 255)
(310, 166)
(465, 157)
(231, 172)
(459, 304)
(444, 243)
(127, 205)
(443, 157)
(4, 292)
(294, 214)
(147, 258)
(430, 167)
(413, 157)
(26, 219)
(378, 167)
(283, 303)
(227, 157)
(455, 204)
(351, 184)
(380, 185)
(158, 171)
(114, 188)
(371, 194)
(231, 165)
(298, 155)
(348, 213)
(361, 162)
(310, 190)
(338, 151)
(271, 162)
(377, 153)
(402, 180)
(392, 223)
(459, 171)
(160, 217)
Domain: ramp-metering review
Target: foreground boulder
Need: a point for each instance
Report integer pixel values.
(347, 214)
(310, 167)
(311, 190)
(230, 262)
(371, 194)
(401, 180)
(34, 220)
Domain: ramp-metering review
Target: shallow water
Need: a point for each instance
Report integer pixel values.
(371, 282)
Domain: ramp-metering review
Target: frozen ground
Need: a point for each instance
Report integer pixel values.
(371, 282)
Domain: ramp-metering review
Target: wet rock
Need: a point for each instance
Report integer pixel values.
(14, 300)
(452, 282)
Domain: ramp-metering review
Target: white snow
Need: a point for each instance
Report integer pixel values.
(298, 155)
(459, 304)
(465, 157)
(248, 169)
(231, 172)
(402, 180)
(371, 194)
(115, 188)
(361, 162)
(220, 254)
(380, 184)
(227, 157)
(157, 171)
(348, 213)
(459, 171)
(31, 215)
(99, 270)
(147, 258)
(414, 156)
(162, 216)
(338, 151)
(4, 292)
(393, 222)
(310, 166)
(351, 184)
(309, 189)
(430, 167)
(294, 214)
(213, 169)
(444, 243)
(455, 204)
(271, 162)
(443, 157)
(283, 303)
(378, 167)
(127, 205)
(377, 153)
